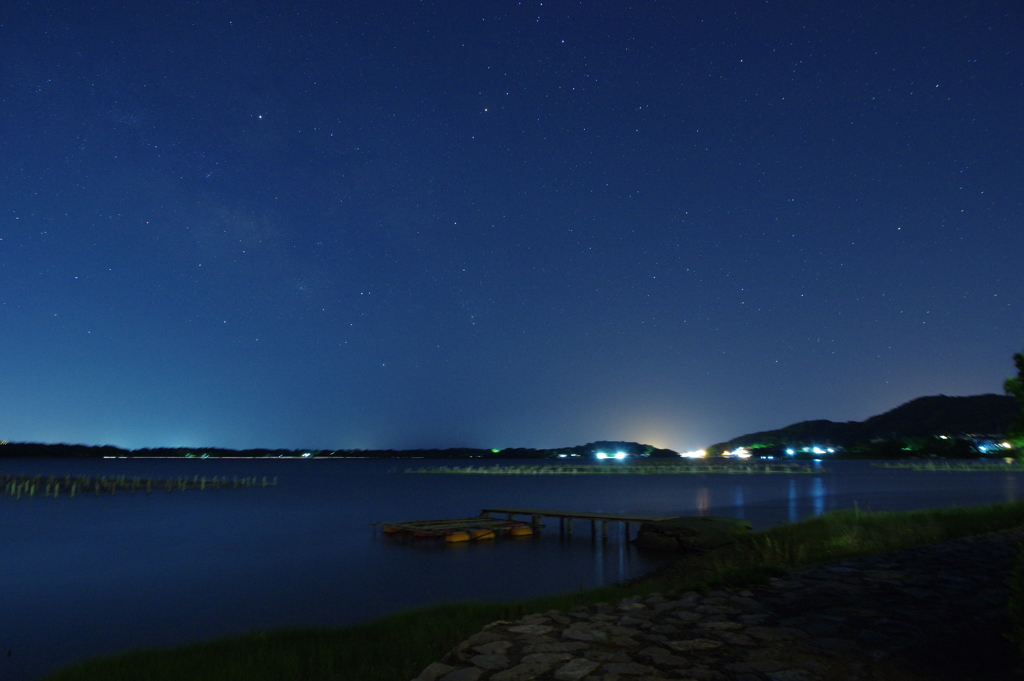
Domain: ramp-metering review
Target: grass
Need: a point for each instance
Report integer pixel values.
(398, 647)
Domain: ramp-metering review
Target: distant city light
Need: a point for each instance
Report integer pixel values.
(620, 455)
(738, 453)
(695, 454)
(815, 449)
(602, 455)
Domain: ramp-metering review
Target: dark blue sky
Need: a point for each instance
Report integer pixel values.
(405, 224)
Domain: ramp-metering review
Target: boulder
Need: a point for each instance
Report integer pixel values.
(700, 533)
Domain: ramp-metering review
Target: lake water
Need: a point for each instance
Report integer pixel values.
(95, 575)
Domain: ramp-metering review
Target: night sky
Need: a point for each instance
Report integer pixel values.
(399, 224)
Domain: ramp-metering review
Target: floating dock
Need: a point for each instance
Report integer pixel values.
(483, 527)
(480, 528)
(566, 518)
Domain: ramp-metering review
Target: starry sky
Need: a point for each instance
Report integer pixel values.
(489, 223)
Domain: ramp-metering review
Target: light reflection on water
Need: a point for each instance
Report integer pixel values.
(818, 495)
(800, 491)
(703, 500)
(793, 507)
(137, 570)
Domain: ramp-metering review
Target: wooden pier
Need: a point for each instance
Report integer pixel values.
(565, 518)
(53, 485)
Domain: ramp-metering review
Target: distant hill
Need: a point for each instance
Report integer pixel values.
(924, 417)
(38, 450)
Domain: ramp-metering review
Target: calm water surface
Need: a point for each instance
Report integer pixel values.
(95, 575)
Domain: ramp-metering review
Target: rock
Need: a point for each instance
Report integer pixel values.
(695, 644)
(717, 610)
(607, 656)
(578, 633)
(547, 658)
(774, 633)
(604, 617)
(532, 629)
(687, 616)
(434, 671)
(720, 626)
(628, 668)
(576, 669)
(616, 630)
(756, 666)
(843, 645)
(690, 534)
(791, 675)
(736, 639)
(566, 647)
(815, 623)
(464, 674)
(493, 648)
(483, 637)
(496, 623)
(625, 642)
(525, 671)
(664, 629)
(489, 662)
(662, 657)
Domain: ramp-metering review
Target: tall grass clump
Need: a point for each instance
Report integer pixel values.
(398, 647)
(395, 647)
(1015, 607)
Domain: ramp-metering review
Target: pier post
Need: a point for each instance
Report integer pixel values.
(536, 523)
(568, 527)
(604, 530)
(593, 528)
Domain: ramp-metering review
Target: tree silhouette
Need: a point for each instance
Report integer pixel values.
(1014, 387)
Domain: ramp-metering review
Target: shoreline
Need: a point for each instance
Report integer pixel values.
(366, 652)
(871, 617)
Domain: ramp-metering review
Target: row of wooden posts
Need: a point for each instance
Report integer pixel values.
(622, 469)
(21, 485)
